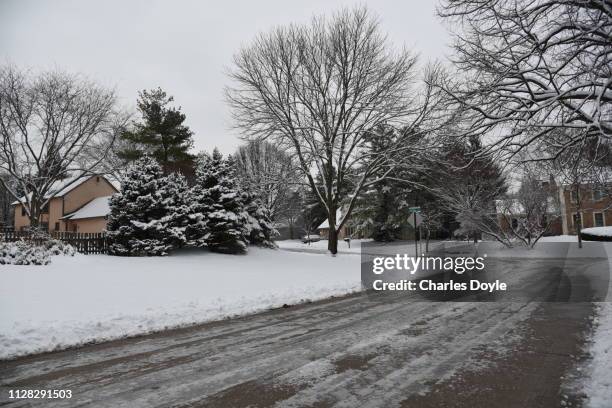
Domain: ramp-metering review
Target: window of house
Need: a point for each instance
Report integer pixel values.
(514, 223)
(97, 179)
(44, 226)
(45, 209)
(57, 226)
(598, 219)
(598, 194)
(23, 211)
(574, 196)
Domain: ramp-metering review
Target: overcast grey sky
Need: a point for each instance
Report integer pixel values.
(182, 46)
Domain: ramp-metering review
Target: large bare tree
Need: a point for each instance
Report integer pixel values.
(317, 89)
(53, 126)
(269, 173)
(529, 67)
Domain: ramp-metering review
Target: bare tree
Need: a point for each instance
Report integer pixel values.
(292, 212)
(316, 90)
(530, 212)
(529, 67)
(270, 174)
(49, 124)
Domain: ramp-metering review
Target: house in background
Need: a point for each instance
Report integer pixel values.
(347, 231)
(595, 208)
(80, 206)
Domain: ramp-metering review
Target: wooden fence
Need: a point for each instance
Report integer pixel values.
(83, 242)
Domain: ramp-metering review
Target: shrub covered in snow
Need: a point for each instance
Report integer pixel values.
(597, 234)
(23, 253)
(37, 251)
(57, 247)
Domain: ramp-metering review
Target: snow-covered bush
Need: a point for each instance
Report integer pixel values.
(57, 247)
(23, 253)
(38, 250)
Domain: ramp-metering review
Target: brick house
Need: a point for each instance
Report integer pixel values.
(81, 206)
(595, 208)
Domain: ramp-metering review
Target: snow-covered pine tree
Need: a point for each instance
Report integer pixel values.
(259, 227)
(174, 193)
(200, 204)
(135, 224)
(219, 215)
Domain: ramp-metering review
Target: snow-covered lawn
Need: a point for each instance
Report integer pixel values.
(321, 246)
(80, 299)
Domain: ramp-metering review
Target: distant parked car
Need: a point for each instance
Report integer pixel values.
(310, 238)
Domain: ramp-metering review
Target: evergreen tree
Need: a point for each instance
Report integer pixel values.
(469, 184)
(161, 133)
(135, 224)
(175, 196)
(259, 227)
(217, 211)
(196, 231)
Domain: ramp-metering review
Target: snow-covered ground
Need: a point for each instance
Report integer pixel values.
(598, 386)
(559, 238)
(321, 246)
(81, 299)
(598, 383)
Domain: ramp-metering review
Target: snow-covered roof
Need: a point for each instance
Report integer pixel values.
(62, 187)
(98, 207)
(325, 224)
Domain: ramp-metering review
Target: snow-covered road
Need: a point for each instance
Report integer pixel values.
(360, 351)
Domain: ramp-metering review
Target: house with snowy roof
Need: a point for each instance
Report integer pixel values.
(347, 231)
(75, 206)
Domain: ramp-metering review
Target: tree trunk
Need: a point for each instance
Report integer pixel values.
(34, 215)
(332, 243)
(332, 238)
(578, 211)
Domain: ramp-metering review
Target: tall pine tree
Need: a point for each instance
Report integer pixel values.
(161, 133)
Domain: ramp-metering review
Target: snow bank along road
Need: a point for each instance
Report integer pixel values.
(81, 299)
(364, 350)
